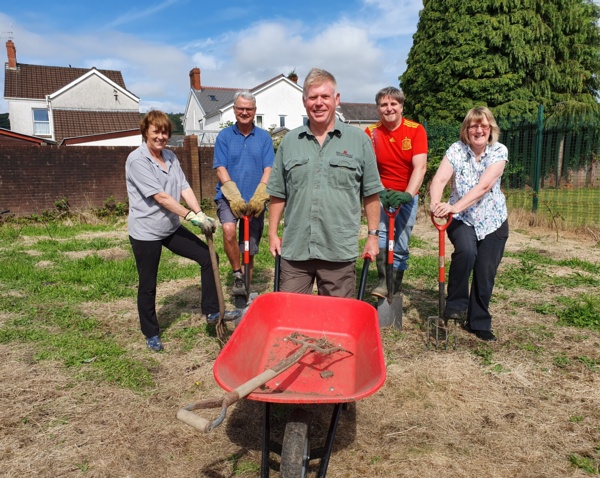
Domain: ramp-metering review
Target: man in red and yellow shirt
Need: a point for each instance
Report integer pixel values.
(401, 150)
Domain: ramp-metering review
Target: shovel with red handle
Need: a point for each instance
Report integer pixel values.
(438, 324)
(239, 300)
(389, 310)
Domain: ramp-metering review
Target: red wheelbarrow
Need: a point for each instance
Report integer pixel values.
(304, 349)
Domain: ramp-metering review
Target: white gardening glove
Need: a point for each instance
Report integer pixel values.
(207, 224)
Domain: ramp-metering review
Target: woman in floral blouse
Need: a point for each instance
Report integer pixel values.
(480, 227)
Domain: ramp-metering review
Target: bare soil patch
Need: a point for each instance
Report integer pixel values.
(521, 413)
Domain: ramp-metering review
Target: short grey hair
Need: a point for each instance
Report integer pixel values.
(246, 94)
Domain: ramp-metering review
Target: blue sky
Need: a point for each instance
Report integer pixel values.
(241, 44)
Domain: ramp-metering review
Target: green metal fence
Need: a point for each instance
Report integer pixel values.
(553, 167)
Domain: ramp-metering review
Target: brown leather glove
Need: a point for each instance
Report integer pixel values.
(233, 195)
(257, 202)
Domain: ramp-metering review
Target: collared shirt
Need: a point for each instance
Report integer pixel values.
(244, 157)
(322, 187)
(147, 220)
(395, 150)
(487, 214)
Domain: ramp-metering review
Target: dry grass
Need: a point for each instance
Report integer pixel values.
(506, 409)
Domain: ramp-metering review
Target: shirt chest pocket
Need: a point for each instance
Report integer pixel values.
(343, 173)
(296, 172)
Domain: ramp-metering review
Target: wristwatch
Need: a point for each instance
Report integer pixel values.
(373, 232)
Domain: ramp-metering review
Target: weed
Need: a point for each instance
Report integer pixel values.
(561, 361)
(590, 363)
(526, 276)
(582, 311)
(83, 466)
(584, 463)
(576, 419)
(485, 352)
(500, 369)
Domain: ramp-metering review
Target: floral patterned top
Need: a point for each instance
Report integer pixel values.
(487, 214)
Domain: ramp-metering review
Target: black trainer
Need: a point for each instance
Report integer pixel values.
(486, 335)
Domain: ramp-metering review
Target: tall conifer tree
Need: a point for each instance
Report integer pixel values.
(510, 55)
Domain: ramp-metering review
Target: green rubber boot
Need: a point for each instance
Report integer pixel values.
(381, 289)
(398, 276)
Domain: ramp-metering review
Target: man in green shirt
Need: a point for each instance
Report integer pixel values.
(321, 172)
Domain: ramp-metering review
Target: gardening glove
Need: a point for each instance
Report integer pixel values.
(201, 220)
(233, 195)
(396, 198)
(383, 198)
(257, 202)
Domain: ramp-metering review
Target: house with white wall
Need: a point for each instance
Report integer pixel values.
(85, 106)
(278, 106)
(209, 108)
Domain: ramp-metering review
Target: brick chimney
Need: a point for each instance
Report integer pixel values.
(195, 79)
(11, 52)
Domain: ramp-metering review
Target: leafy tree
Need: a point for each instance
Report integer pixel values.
(509, 55)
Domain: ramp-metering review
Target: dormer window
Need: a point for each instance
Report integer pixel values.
(41, 122)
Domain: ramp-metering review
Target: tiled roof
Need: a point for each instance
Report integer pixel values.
(75, 123)
(213, 98)
(359, 112)
(10, 138)
(35, 81)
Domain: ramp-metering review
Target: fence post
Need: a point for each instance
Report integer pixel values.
(538, 158)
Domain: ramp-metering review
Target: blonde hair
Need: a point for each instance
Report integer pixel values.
(316, 76)
(477, 115)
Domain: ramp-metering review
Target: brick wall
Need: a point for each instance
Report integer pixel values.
(32, 179)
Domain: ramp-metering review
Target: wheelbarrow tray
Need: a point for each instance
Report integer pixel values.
(258, 343)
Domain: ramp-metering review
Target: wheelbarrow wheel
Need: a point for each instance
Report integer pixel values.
(294, 451)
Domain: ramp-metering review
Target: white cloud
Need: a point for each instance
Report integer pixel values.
(365, 53)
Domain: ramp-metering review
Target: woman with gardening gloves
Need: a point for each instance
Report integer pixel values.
(155, 185)
(479, 229)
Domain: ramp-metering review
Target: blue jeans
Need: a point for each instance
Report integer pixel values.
(481, 258)
(403, 226)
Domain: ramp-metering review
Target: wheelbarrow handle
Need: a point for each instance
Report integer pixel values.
(204, 425)
(190, 418)
(367, 259)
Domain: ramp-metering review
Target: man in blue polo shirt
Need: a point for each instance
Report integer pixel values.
(243, 159)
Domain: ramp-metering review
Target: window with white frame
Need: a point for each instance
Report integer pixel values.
(41, 122)
(259, 121)
(282, 121)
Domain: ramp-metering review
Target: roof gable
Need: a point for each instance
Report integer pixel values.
(85, 76)
(36, 82)
(213, 99)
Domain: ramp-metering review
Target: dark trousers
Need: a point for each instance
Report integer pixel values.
(147, 257)
(482, 258)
